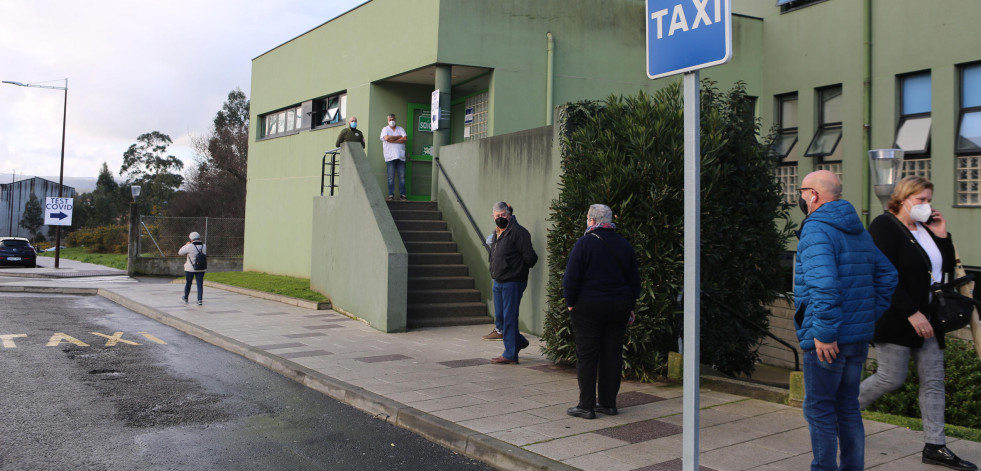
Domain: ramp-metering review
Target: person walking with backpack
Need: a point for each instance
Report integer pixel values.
(195, 266)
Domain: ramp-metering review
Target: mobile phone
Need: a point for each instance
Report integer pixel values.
(930, 220)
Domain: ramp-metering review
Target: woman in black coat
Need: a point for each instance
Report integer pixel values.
(601, 286)
(913, 236)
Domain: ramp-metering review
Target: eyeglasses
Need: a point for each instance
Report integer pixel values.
(805, 188)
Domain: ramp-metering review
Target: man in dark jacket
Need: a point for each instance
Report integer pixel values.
(842, 285)
(350, 133)
(511, 257)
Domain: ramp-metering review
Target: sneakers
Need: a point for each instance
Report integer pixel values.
(577, 412)
(390, 198)
(402, 198)
(944, 457)
(493, 335)
(200, 303)
(184, 298)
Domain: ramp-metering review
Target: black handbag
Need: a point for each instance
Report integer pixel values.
(952, 309)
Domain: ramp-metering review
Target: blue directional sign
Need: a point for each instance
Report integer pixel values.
(687, 35)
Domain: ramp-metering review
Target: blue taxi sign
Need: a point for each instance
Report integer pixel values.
(687, 35)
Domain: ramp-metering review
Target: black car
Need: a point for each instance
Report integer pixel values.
(17, 251)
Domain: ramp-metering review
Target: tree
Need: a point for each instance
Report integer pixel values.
(147, 164)
(106, 205)
(628, 153)
(33, 217)
(221, 165)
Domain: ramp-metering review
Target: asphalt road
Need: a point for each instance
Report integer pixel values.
(87, 384)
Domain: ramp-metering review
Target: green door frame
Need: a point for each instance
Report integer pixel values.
(410, 131)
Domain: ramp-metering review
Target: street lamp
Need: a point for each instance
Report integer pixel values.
(61, 173)
(136, 191)
(886, 166)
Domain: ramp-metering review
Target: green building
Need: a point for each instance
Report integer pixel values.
(835, 77)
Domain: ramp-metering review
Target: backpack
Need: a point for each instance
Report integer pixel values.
(200, 260)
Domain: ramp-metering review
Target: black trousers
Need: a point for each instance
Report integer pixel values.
(599, 329)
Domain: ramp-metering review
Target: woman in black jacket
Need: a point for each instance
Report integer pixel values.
(601, 286)
(913, 236)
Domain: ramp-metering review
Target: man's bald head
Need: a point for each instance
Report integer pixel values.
(826, 183)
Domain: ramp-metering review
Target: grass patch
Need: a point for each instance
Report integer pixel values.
(276, 284)
(911, 423)
(112, 260)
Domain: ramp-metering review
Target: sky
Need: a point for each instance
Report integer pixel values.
(133, 66)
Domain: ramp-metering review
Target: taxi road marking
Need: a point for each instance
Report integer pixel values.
(7, 340)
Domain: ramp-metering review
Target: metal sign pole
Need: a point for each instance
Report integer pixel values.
(692, 291)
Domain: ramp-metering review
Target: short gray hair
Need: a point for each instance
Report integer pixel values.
(600, 213)
(500, 206)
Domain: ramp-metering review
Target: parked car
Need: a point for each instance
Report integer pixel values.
(17, 251)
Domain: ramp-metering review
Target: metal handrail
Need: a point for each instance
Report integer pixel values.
(463, 205)
(333, 170)
(758, 327)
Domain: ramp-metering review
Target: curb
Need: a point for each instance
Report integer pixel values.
(264, 295)
(497, 453)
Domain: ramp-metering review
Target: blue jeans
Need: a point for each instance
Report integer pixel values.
(194, 275)
(507, 297)
(831, 407)
(393, 166)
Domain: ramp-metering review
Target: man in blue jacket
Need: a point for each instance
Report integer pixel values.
(842, 285)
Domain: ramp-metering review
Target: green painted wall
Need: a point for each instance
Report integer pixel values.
(358, 259)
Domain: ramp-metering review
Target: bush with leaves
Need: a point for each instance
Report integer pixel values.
(962, 373)
(628, 153)
(113, 238)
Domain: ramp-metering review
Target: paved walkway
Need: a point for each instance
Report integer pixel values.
(438, 382)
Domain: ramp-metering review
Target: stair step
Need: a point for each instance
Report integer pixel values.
(430, 247)
(426, 236)
(441, 282)
(449, 269)
(447, 321)
(434, 258)
(436, 310)
(443, 296)
(412, 205)
(411, 215)
(420, 225)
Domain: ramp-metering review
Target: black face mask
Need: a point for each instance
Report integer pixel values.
(803, 204)
(501, 222)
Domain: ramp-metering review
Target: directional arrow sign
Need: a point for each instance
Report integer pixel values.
(58, 211)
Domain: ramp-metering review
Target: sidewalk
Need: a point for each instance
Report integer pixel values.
(439, 383)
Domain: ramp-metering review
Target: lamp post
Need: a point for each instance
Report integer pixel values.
(886, 166)
(61, 172)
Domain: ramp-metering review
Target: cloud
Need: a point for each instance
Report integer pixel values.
(132, 68)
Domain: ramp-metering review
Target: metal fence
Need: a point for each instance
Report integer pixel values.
(164, 236)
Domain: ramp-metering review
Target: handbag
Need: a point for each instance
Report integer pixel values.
(953, 310)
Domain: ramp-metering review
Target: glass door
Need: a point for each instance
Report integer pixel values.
(419, 153)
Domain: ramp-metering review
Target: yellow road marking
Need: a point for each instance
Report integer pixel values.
(8, 339)
(153, 338)
(59, 337)
(114, 339)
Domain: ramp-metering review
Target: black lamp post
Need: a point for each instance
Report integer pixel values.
(61, 173)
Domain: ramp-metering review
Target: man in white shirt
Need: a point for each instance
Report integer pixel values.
(393, 139)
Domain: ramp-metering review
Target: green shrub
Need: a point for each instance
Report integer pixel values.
(962, 372)
(628, 153)
(103, 239)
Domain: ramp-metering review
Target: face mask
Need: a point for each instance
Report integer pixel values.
(501, 222)
(803, 204)
(920, 212)
(391, 123)
(354, 124)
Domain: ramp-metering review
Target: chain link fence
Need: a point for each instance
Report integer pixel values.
(164, 236)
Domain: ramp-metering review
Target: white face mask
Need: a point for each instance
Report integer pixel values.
(920, 212)
(391, 123)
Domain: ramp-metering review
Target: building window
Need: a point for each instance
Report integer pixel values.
(786, 126)
(828, 133)
(968, 141)
(329, 110)
(913, 131)
(281, 122)
(477, 129)
(787, 177)
(790, 5)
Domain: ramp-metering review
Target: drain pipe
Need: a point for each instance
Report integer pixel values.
(867, 110)
(549, 76)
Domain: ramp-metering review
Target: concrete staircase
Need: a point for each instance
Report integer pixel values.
(440, 291)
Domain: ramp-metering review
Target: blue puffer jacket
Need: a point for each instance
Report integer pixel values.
(841, 279)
